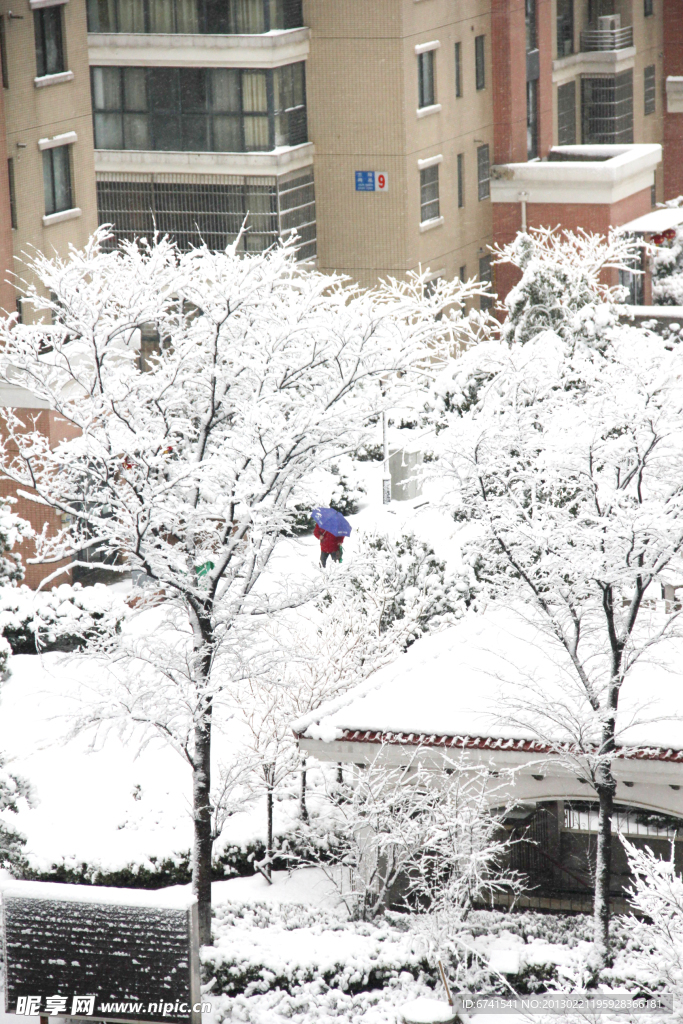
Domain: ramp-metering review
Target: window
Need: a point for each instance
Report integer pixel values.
(650, 88)
(633, 283)
(3, 53)
(565, 27)
(429, 193)
(485, 277)
(566, 114)
(463, 273)
(582, 816)
(217, 17)
(47, 25)
(530, 24)
(12, 193)
(607, 109)
(461, 179)
(479, 62)
(425, 79)
(648, 7)
(483, 172)
(211, 208)
(220, 110)
(458, 70)
(532, 119)
(57, 178)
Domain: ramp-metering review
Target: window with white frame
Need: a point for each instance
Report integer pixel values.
(429, 193)
(57, 179)
(426, 88)
(483, 172)
(49, 40)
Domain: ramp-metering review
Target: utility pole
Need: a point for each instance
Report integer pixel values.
(386, 478)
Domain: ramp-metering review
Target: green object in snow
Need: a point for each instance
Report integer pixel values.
(204, 569)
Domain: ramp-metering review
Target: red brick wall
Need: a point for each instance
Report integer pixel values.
(7, 293)
(508, 48)
(673, 123)
(598, 218)
(57, 429)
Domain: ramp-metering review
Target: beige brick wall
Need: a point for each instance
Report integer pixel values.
(33, 113)
(362, 101)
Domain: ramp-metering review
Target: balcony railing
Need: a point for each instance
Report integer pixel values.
(606, 39)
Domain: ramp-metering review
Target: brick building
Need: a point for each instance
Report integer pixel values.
(391, 134)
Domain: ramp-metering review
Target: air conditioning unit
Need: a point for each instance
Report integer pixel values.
(609, 23)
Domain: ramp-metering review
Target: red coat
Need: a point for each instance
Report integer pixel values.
(328, 542)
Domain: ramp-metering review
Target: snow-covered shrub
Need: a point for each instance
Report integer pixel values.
(64, 618)
(667, 268)
(404, 589)
(13, 789)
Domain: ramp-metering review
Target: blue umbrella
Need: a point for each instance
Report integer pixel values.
(332, 521)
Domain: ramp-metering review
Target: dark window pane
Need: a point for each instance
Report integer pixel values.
(102, 16)
(483, 172)
(227, 134)
(565, 27)
(195, 132)
(134, 89)
(108, 131)
(458, 69)
(3, 53)
(530, 24)
(650, 79)
(486, 277)
(648, 7)
(429, 193)
(163, 91)
(461, 179)
(425, 77)
(161, 17)
(566, 114)
(47, 25)
(532, 119)
(165, 131)
(131, 15)
(106, 88)
(48, 183)
(12, 193)
(193, 89)
(136, 131)
(217, 15)
(225, 90)
(480, 62)
(62, 175)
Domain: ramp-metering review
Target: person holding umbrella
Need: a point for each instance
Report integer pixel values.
(330, 528)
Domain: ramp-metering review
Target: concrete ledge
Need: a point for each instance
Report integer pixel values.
(65, 139)
(596, 62)
(57, 218)
(435, 108)
(63, 76)
(427, 225)
(278, 161)
(600, 175)
(146, 49)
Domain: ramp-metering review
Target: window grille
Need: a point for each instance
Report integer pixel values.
(461, 179)
(458, 70)
(429, 193)
(565, 27)
(483, 172)
(607, 109)
(218, 110)
(650, 83)
(425, 79)
(216, 17)
(210, 208)
(566, 114)
(47, 27)
(480, 62)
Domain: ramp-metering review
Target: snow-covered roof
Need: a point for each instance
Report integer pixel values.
(458, 687)
(655, 221)
(176, 897)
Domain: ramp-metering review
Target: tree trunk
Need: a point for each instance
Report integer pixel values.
(303, 809)
(269, 839)
(203, 838)
(340, 773)
(603, 867)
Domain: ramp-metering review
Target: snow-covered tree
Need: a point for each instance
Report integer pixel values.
(565, 444)
(414, 837)
(191, 458)
(667, 266)
(13, 789)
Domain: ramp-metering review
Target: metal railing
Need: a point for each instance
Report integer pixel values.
(606, 39)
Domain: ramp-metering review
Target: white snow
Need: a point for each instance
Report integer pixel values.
(173, 897)
(427, 1011)
(465, 673)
